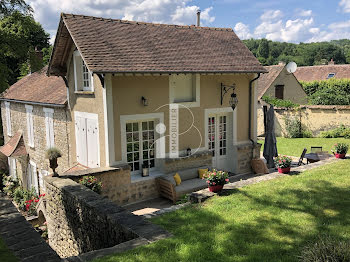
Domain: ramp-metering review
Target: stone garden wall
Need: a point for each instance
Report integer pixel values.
(80, 220)
(246, 153)
(315, 118)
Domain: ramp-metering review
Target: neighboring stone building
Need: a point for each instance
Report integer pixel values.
(279, 83)
(35, 117)
(322, 72)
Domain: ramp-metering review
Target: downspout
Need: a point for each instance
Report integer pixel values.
(250, 108)
(66, 109)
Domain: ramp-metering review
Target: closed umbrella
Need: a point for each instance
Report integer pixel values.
(270, 148)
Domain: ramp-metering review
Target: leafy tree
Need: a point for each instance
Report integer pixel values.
(263, 49)
(7, 7)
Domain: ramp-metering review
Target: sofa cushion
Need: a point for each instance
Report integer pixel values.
(177, 179)
(191, 185)
(189, 173)
(169, 178)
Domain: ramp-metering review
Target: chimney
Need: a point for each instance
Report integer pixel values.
(198, 17)
(331, 62)
(281, 63)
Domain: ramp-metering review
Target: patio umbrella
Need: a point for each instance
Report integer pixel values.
(270, 148)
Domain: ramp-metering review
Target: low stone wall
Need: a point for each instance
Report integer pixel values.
(77, 219)
(193, 161)
(316, 118)
(245, 154)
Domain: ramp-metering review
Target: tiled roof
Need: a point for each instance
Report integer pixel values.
(15, 147)
(38, 88)
(266, 80)
(111, 45)
(312, 73)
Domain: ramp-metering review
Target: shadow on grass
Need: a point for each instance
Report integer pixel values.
(248, 225)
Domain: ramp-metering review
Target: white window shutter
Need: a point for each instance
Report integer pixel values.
(30, 126)
(51, 131)
(50, 136)
(8, 118)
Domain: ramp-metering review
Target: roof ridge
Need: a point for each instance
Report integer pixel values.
(323, 65)
(64, 15)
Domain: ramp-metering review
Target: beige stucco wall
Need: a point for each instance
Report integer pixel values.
(61, 121)
(128, 90)
(292, 89)
(88, 102)
(313, 118)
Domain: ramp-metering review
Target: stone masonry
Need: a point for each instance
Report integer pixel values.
(81, 221)
(246, 153)
(37, 154)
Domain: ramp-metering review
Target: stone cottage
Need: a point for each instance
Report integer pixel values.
(35, 117)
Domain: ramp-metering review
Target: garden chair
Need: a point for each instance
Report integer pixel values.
(300, 162)
(316, 149)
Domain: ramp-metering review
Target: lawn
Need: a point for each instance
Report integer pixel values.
(295, 146)
(269, 221)
(5, 253)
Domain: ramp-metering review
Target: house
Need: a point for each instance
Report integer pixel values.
(322, 72)
(153, 95)
(279, 83)
(35, 117)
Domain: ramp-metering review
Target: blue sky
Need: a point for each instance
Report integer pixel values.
(279, 20)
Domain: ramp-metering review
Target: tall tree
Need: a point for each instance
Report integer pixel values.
(7, 7)
(263, 49)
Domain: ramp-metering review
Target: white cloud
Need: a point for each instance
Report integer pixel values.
(159, 11)
(242, 31)
(304, 13)
(339, 30)
(271, 15)
(345, 5)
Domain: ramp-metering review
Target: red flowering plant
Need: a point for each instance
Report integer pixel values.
(31, 205)
(91, 183)
(216, 178)
(340, 148)
(282, 161)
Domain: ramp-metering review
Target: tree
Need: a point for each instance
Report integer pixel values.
(263, 49)
(20, 35)
(7, 7)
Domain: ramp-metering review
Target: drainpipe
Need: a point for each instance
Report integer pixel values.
(250, 108)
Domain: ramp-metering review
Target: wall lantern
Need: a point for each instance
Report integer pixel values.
(233, 100)
(188, 151)
(144, 101)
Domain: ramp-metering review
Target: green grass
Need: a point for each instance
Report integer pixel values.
(269, 221)
(295, 146)
(6, 254)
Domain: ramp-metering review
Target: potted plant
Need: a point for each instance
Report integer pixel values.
(216, 180)
(53, 154)
(145, 169)
(340, 150)
(283, 164)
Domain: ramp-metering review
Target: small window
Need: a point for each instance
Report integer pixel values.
(30, 126)
(82, 75)
(184, 88)
(279, 90)
(50, 136)
(12, 167)
(8, 119)
(331, 75)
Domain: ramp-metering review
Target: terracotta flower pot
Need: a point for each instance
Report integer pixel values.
(284, 170)
(216, 188)
(340, 155)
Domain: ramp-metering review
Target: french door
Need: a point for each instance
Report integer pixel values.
(219, 135)
(140, 147)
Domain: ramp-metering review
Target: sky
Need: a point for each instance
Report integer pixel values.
(278, 20)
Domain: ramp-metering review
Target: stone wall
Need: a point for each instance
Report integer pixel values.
(77, 219)
(118, 186)
(193, 161)
(316, 118)
(246, 153)
(37, 153)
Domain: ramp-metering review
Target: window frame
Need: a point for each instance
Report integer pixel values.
(196, 89)
(282, 91)
(329, 77)
(49, 127)
(8, 118)
(30, 125)
(82, 89)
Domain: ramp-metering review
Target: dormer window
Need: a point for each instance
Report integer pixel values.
(330, 75)
(82, 76)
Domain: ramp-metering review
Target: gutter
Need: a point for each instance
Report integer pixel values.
(33, 103)
(250, 108)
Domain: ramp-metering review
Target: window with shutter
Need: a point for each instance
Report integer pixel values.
(8, 119)
(82, 76)
(50, 136)
(30, 125)
(279, 90)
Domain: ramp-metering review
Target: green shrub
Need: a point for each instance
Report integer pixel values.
(20, 196)
(279, 102)
(10, 185)
(91, 183)
(295, 129)
(341, 131)
(326, 249)
(307, 134)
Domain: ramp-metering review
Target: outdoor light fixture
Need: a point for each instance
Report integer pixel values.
(188, 151)
(233, 100)
(144, 101)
